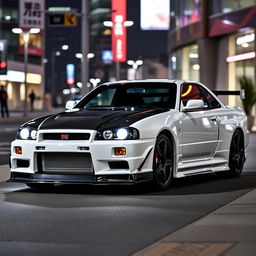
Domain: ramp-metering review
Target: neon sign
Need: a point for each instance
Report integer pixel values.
(119, 30)
(240, 57)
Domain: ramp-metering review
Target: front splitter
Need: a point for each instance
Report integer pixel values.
(124, 179)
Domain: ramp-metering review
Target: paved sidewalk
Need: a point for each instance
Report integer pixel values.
(4, 172)
(228, 231)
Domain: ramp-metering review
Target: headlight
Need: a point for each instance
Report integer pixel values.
(127, 133)
(27, 134)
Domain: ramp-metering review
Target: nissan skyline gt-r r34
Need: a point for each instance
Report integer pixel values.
(130, 132)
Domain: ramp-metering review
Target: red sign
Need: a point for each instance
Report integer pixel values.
(32, 51)
(119, 30)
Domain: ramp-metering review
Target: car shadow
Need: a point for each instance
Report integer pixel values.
(75, 196)
(201, 184)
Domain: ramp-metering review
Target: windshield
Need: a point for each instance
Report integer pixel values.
(162, 95)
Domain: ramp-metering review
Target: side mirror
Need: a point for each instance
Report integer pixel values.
(70, 104)
(193, 105)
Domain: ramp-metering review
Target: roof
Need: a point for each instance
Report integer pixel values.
(142, 81)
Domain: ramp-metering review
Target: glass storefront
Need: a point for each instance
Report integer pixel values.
(240, 44)
(35, 40)
(225, 6)
(184, 63)
(184, 12)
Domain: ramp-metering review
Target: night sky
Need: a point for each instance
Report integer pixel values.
(140, 44)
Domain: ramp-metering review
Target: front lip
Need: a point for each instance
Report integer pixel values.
(124, 179)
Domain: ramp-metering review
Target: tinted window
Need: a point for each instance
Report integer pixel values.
(194, 91)
(132, 94)
(213, 103)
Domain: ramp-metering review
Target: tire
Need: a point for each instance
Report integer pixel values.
(163, 163)
(236, 155)
(41, 186)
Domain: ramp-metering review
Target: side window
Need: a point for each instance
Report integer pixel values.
(213, 103)
(192, 92)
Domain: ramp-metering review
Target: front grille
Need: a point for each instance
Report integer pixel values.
(66, 136)
(55, 162)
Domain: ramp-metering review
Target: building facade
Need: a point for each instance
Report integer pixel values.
(213, 41)
(14, 79)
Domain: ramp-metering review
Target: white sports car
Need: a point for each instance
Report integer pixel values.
(129, 132)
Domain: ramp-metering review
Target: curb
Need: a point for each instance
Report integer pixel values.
(215, 234)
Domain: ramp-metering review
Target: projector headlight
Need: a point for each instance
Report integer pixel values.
(122, 134)
(127, 133)
(27, 134)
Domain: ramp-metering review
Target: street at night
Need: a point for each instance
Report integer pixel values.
(115, 220)
(127, 128)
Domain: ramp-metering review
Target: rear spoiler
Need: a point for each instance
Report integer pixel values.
(238, 93)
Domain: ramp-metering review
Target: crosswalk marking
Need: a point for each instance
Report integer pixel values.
(5, 148)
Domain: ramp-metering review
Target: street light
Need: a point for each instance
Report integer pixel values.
(95, 81)
(65, 47)
(56, 52)
(110, 24)
(135, 65)
(26, 34)
(80, 56)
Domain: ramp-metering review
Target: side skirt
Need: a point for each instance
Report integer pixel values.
(202, 167)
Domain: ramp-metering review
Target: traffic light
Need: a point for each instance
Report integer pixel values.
(3, 67)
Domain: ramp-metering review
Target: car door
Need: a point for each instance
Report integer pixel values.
(199, 127)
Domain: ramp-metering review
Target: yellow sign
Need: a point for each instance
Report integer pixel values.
(70, 19)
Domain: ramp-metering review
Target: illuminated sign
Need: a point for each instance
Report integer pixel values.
(18, 76)
(240, 57)
(107, 56)
(119, 30)
(245, 39)
(70, 68)
(62, 19)
(154, 14)
(31, 14)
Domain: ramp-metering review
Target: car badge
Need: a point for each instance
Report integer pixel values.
(64, 136)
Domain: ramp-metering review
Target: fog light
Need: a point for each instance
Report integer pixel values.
(18, 150)
(120, 151)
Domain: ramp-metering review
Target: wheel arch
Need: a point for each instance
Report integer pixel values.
(239, 129)
(171, 137)
(233, 169)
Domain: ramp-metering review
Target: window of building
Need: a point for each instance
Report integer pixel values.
(225, 6)
(185, 12)
(184, 63)
(9, 36)
(8, 14)
(35, 40)
(238, 44)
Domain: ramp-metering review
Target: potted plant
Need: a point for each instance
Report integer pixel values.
(248, 102)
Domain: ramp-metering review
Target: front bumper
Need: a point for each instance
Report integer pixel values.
(80, 178)
(104, 167)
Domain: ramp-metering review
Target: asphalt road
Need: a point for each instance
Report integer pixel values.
(88, 220)
(7, 134)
